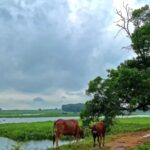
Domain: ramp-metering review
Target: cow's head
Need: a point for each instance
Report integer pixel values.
(93, 130)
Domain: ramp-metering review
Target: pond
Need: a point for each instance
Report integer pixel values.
(42, 119)
(32, 119)
(8, 144)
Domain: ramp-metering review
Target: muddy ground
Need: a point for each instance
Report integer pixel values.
(128, 141)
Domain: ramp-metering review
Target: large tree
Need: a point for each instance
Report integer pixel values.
(126, 88)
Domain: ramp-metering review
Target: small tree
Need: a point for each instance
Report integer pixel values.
(103, 102)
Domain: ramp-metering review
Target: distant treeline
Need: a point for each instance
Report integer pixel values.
(73, 107)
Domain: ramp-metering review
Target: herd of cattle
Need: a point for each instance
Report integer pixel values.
(72, 128)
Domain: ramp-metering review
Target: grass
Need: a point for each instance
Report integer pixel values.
(35, 113)
(144, 146)
(130, 125)
(43, 130)
(27, 131)
(123, 125)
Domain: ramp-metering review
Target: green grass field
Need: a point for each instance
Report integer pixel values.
(36, 113)
(124, 125)
(43, 130)
(144, 146)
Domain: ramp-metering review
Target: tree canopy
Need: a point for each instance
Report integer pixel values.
(126, 88)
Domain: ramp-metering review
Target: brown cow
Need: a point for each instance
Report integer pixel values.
(68, 128)
(98, 131)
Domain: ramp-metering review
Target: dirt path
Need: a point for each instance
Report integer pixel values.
(128, 141)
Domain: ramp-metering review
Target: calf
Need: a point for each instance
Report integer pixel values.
(98, 131)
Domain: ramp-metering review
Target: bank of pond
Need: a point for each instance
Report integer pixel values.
(25, 133)
(9, 144)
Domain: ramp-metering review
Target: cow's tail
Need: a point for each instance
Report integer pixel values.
(54, 136)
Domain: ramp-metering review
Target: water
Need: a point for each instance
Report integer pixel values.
(132, 116)
(42, 119)
(8, 144)
(34, 119)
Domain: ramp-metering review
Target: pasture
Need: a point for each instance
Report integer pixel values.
(35, 113)
(43, 130)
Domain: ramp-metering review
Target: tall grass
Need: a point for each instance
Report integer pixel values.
(27, 131)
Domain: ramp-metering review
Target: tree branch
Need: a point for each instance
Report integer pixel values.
(125, 20)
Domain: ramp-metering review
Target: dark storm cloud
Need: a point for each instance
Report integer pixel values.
(42, 49)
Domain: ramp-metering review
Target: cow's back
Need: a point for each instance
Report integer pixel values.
(66, 127)
(99, 127)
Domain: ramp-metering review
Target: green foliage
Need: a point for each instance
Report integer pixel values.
(141, 15)
(126, 88)
(141, 41)
(103, 103)
(141, 35)
(132, 86)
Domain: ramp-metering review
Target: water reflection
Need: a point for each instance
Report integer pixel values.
(8, 144)
(34, 119)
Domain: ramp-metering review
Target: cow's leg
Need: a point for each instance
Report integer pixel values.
(94, 138)
(57, 140)
(71, 139)
(77, 135)
(103, 139)
(98, 140)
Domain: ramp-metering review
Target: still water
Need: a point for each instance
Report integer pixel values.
(42, 119)
(34, 119)
(8, 144)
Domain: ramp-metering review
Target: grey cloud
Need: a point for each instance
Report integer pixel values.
(4, 14)
(40, 49)
(39, 102)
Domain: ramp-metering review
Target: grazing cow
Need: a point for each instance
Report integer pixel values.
(68, 128)
(98, 131)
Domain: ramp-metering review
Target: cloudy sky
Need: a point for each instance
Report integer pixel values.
(49, 50)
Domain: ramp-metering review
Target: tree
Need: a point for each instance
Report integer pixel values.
(140, 38)
(126, 88)
(132, 86)
(73, 107)
(104, 102)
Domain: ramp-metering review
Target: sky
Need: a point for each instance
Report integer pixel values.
(50, 50)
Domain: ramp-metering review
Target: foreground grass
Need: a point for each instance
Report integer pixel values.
(43, 130)
(122, 126)
(144, 146)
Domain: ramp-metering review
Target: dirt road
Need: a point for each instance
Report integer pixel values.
(128, 141)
